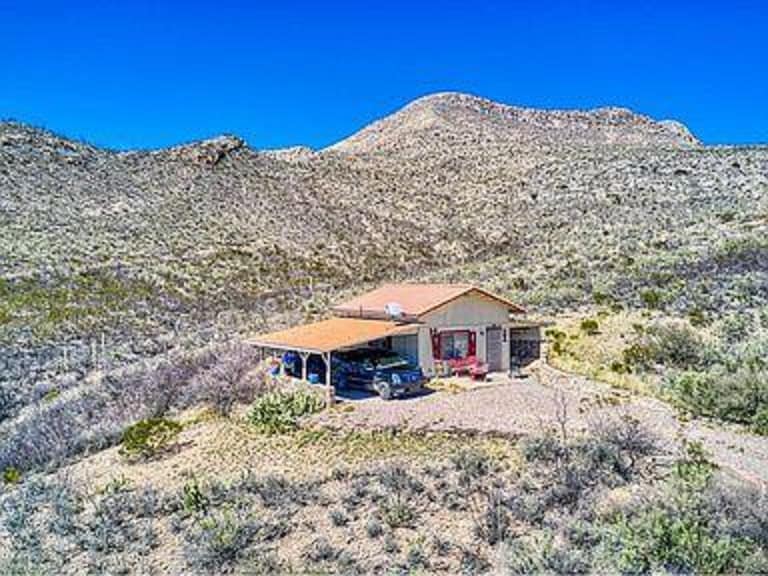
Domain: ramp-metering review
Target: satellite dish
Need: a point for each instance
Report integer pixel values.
(393, 310)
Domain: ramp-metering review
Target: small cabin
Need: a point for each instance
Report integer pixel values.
(432, 324)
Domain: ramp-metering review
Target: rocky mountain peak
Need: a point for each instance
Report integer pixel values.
(464, 119)
(207, 152)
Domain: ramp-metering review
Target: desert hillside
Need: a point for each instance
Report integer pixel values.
(127, 279)
(134, 252)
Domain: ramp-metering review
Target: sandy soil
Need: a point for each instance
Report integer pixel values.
(520, 406)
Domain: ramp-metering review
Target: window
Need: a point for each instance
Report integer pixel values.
(456, 344)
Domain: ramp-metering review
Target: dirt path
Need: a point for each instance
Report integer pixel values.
(523, 406)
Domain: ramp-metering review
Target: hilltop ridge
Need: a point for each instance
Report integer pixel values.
(467, 120)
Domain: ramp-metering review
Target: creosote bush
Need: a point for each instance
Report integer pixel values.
(589, 326)
(148, 438)
(11, 475)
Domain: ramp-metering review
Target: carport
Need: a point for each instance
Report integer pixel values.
(328, 336)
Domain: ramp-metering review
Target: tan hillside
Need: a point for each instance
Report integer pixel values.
(461, 120)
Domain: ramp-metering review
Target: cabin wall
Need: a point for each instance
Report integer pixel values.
(426, 361)
(468, 310)
(475, 313)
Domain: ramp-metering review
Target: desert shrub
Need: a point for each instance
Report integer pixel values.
(373, 528)
(277, 412)
(653, 299)
(441, 546)
(626, 439)
(735, 328)
(540, 554)
(220, 540)
(738, 510)
(277, 492)
(672, 345)
(676, 541)
(10, 402)
(732, 385)
(563, 473)
(620, 367)
(589, 326)
(396, 507)
(417, 557)
(320, 550)
(492, 524)
(148, 438)
(736, 396)
(11, 475)
(558, 339)
(356, 493)
(678, 532)
(601, 298)
(675, 345)
(397, 513)
(390, 544)
(263, 562)
(697, 317)
(760, 421)
(232, 380)
(346, 563)
(472, 562)
(193, 498)
(637, 355)
(544, 447)
(472, 466)
(118, 531)
(338, 518)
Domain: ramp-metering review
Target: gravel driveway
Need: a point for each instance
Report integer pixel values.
(521, 406)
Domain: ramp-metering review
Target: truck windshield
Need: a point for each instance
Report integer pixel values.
(390, 361)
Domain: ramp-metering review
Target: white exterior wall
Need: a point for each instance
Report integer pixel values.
(470, 312)
(426, 362)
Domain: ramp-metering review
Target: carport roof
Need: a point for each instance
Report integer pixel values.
(332, 334)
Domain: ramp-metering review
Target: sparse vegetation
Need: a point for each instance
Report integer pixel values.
(557, 511)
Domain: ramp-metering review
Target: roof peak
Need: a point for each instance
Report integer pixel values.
(414, 299)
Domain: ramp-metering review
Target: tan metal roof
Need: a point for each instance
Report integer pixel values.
(332, 334)
(415, 300)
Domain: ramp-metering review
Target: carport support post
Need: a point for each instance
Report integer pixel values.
(330, 392)
(304, 356)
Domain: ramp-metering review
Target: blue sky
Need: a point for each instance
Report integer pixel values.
(139, 74)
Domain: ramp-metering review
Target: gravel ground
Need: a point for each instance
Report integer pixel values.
(522, 406)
